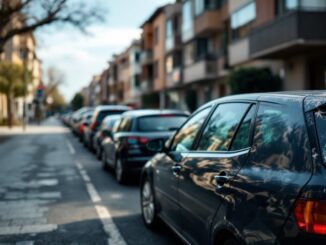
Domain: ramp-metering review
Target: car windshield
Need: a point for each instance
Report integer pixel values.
(320, 116)
(160, 123)
(103, 114)
(109, 122)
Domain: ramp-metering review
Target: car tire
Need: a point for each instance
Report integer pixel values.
(120, 173)
(148, 207)
(104, 161)
(98, 152)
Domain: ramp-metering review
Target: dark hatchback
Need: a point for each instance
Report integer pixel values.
(99, 114)
(247, 169)
(126, 151)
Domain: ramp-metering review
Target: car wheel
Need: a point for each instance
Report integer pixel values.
(148, 207)
(98, 153)
(104, 163)
(120, 174)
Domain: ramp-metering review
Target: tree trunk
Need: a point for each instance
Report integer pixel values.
(9, 110)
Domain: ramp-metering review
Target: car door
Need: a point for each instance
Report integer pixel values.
(278, 166)
(168, 167)
(207, 169)
(109, 146)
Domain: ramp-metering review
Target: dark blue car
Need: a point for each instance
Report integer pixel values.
(247, 169)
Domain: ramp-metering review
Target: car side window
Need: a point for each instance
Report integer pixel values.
(222, 125)
(125, 125)
(115, 127)
(185, 137)
(242, 137)
(280, 138)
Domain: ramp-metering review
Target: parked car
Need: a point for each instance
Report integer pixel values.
(84, 123)
(99, 114)
(77, 117)
(104, 131)
(126, 150)
(247, 169)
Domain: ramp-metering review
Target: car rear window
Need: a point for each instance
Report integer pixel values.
(102, 114)
(320, 116)
(160, 123)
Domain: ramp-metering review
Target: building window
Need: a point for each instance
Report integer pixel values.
(137, 57)
(199, 6)
(188, 54)
(307, 5)
(202, 5)
(169, 35)
(187, 21)
(242, 19)
(169, 64)
(156, 35)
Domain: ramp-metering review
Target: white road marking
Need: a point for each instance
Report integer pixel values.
(71, 148)
(93, 193)
(103, 213)
(85, 176)
(109, 226)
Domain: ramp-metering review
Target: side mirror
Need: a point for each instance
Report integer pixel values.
(157, 145)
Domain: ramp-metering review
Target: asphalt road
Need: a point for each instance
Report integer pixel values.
(53, 191)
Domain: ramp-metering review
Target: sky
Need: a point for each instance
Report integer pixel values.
(80, 56)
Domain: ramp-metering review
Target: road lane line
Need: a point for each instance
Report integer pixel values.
(103, 213)
(71, 148)
(109, 226)
(93, 193)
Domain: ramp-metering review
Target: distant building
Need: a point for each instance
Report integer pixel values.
(21, 49)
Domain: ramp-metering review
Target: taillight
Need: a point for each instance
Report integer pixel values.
(134, 140)
(81, 128)
(311, 216)
(94, 126)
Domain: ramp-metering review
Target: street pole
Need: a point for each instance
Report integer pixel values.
(25, 57)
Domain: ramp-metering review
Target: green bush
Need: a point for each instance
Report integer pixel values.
(252, 80)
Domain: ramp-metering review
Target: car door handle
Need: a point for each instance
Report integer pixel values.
(221, 179)
(176, 169)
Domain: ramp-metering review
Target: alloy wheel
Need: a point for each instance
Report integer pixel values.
(148, 206)
(118, 170)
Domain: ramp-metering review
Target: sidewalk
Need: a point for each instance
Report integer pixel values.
(49, 125)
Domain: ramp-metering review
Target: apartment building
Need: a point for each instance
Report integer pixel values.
(286, 35)
(204, 39)
(22, 50)
(153, 59)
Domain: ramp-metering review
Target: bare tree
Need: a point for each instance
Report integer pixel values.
(23, 16)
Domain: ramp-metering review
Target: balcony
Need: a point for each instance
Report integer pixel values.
(288, 35)
(174, 78)
(146, 85)
(173, 43)
(200, 71)
(146, 57)
(209, 21)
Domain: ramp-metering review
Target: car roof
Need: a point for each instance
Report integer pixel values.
(153, 112)
(111, 107)
(112, 117)
(284, 97)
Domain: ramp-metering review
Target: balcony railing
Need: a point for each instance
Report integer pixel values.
(146, 57)
(146, 85)
(209, 21)
(201, 70)
(280, 37)
(174, 78)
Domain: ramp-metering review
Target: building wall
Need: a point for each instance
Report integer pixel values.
(159, 52)
(265, 11)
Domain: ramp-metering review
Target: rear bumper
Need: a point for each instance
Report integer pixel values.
(135, 164)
